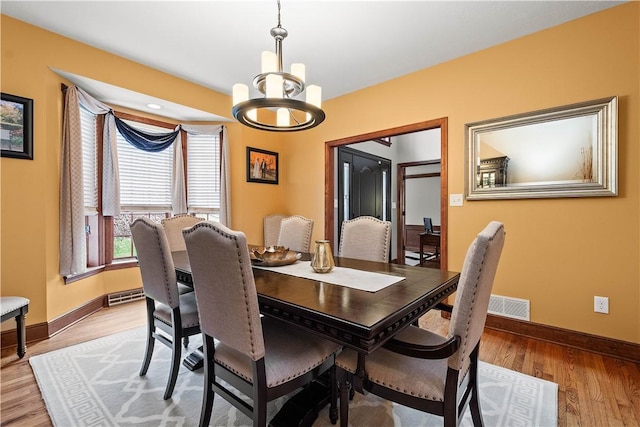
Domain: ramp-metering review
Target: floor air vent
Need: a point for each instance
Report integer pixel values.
(515, 308)
(124, 297)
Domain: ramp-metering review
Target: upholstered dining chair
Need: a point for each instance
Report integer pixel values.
(429, 372)
(173, 313)
(272, 229)
(366, 238)
(262, 357)
(173, 229)
(295, 233)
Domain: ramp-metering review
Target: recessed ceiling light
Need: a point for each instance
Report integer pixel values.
(154, 106)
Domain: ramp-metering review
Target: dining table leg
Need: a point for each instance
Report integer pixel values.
(195, 360)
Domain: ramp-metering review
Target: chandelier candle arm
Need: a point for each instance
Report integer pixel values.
(279, 89)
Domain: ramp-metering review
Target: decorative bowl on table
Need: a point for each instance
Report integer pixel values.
(272, 256)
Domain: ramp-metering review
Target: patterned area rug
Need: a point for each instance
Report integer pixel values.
(97, 384)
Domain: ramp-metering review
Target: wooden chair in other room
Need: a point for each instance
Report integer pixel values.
(426, 371)
(262, 357)
(173, 313)
(272, 229)
(295, 233)
(365, 238)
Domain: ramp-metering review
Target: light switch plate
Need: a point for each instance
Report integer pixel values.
(455, 200)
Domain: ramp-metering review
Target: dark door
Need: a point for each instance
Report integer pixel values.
(364, 185)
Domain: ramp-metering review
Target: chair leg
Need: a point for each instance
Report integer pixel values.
(345, 387)
(148, 352)
(260, 413)
(21, 331)
(209, 378)
(474, 402)
(333, 407)
(474, 407)
(176, 353)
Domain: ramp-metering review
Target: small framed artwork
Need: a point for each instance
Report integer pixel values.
(262, 166)
(16, 127)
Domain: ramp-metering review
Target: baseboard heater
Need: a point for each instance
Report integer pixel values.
(514, 308)
(124, 297)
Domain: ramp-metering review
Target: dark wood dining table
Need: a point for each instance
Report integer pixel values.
(357, 319)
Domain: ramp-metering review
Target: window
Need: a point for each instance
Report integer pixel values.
(89, 160)
(88, 129)
(146, 184)
(203, 176)
(145, 187)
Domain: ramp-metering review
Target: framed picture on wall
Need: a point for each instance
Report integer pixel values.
(262, 166)
(16, 126)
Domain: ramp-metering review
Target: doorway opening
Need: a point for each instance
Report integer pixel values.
(419, 212)
(364, 185)
(332, 202)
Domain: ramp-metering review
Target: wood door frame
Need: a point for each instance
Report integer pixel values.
(329, 181)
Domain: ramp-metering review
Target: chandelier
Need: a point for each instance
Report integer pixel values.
(279, 89)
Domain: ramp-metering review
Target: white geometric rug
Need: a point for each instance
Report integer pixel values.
(97, 384)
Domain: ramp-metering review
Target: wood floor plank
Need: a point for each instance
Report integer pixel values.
(593, 390)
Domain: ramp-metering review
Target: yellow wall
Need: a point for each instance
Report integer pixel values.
(30, 189)
(559, 252)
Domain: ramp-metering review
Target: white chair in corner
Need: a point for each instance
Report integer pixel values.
(272, 229)
(365, 238)
(173, 229)
(295, 233)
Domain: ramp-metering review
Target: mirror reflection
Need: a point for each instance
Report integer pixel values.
(568, 151)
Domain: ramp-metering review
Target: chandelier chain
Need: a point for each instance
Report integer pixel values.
(279, 25)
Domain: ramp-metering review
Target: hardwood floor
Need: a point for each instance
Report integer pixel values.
(594, 390)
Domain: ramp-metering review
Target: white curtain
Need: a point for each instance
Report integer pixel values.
(179, 193)
(110, 173)
(73, 245)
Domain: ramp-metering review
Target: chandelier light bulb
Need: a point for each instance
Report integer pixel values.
(298, 70)
(240, 93)
(269, 62)
(282, 117)
(274, 86)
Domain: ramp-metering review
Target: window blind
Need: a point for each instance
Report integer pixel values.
(89, 160)
(203, 173)
(145, 178)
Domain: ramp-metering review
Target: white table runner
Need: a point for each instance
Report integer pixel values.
(357, 279)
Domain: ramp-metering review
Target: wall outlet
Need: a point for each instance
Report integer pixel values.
(601, 305)
(455, 200)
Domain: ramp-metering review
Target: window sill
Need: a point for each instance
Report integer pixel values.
(92, 271)
(120, 264)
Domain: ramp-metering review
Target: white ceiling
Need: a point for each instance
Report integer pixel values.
(345, 45)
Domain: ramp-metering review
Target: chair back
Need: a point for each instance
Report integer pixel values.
(225, 289)
(295, 233)
(173, 229)
(474, 289)
(272, 229)
(428, 225)
(366, 238)
(156, 265)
